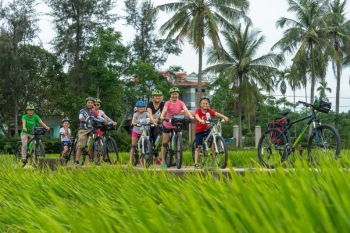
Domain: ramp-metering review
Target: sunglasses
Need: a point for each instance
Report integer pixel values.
(97, 104)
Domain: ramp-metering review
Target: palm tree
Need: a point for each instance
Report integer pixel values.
(245, 71)
(306, 37)
(282, 76)
(323, 88)
(196, 19)
(338, 32)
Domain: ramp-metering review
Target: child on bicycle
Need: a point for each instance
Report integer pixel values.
(202, 129)
(28, 123)
(65, 135)
(171, 107)
(140, 116)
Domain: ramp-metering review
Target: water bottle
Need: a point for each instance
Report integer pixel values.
(158, 141)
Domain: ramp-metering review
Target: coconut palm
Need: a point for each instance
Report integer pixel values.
(245, 71)
(305, 36)
(196, 19)
(338, 31)
(323, 88)
(282, 77)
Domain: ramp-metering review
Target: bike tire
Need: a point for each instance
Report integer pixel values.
(148, 153)
(18, 153)
(178, 150)
(221, 154)
(112, 151)
(100, 148)
(329, 144)
(135, 157)
(40, 149)
(271, 148)
(169, 155)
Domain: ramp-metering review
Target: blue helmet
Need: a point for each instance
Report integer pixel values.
(140, 103)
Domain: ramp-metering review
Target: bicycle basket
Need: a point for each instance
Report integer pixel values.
(178, 120)
(323, 106)
(39, 131)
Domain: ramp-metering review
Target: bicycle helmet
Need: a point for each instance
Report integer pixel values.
(65, 119)
(90, 99)
(156, 92)
(30, 107)
(204, 98)
(174, 89)
(97, 100)
(140, 103)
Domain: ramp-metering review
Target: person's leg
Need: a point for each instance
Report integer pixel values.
(24, 140)
(199, 145)
(134, 137)
(81, 144)
(165, 144)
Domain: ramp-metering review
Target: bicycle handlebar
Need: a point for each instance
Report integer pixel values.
(305, 104)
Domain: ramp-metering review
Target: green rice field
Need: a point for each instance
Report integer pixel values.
(298, 198)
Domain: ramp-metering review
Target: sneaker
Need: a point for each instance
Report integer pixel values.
(196, 166)
(158, 161)
(106, 159)
(98, 163)
(163, 165)
(76, 163)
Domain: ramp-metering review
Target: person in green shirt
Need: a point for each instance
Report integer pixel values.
(28, 123)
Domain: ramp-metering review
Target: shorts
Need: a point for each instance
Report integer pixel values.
(134, 134)
(166, 130)
(199, 137)
(64, 143)
(82, 133)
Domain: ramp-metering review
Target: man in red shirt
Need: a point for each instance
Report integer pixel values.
(201, 128)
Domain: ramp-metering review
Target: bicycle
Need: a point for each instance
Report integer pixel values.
(34, 148)
(144, 146)
(174, 146)
(275, 144)
(213, 144)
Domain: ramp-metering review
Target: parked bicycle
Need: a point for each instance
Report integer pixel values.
(174, 148)
(144, 150)
(35, 148)
(275, 144)
(214, 145)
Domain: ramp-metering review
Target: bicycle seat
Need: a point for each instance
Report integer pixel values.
(283, 113)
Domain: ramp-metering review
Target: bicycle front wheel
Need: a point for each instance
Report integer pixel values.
(221, 154)
(148, 149)
(112, 151)
(324, 144)
(18, 153)
(271, 148)
(178, 150)
(99, 149)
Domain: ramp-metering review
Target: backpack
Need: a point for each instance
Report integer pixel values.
(278, 123)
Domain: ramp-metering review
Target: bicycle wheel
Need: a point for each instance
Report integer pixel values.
(271, 148)
(178, 150)
(169, 154)
(40, 149)
(135, 159)
(111, 151)
(324, 143)
(18, 153)
(221, 154)
(148, 153)
(99, 150)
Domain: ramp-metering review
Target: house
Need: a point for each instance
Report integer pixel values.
(189, 85)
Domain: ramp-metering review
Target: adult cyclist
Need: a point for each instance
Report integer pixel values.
(154, 109)
(27, 133)
(171, 107)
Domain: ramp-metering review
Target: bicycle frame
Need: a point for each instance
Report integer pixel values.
(145, 127)
(214, 131)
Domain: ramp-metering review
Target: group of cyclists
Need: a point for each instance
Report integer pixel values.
(157, 112)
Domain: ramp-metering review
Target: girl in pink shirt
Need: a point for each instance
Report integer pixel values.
(171, 107)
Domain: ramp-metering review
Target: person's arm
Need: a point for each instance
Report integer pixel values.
(162, 115)
(24, 125)
(133, 121)
(150, 115)
(44, 125)
(222, 116)
(201, 121)
(188, 113)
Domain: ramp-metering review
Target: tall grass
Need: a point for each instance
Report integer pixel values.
(115, 199)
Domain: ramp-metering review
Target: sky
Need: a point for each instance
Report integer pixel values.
(263, 13)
